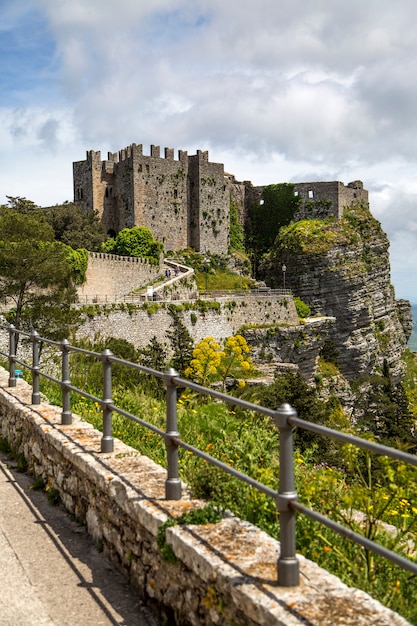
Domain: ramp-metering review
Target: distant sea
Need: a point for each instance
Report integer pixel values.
(412, 344)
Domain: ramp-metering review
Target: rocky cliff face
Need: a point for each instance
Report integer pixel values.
(341, 268)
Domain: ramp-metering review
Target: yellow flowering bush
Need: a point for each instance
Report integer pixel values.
(206, 360)
(211, 362)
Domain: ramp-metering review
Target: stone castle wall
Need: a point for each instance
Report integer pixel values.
(112, 276)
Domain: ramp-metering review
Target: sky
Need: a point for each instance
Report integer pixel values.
(277, 90)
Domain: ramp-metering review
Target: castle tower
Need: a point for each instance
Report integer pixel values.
(182, 201)
(209, 205)
(95, 187)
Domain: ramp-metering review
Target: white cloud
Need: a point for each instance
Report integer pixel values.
(304, 90)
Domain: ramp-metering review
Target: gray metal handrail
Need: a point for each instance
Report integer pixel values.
(284, 418)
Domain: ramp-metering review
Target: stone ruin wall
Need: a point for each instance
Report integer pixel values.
(244, 195)
(339, 194)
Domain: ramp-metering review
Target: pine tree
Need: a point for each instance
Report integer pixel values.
(182, 344)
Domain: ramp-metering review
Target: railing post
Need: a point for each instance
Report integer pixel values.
(36, 396)
(66, 415)
(107, 442)
(12, 355)
(288, 565)
(173, 489)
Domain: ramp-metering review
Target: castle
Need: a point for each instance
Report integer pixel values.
(185, 202)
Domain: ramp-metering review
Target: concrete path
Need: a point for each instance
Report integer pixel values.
(51, 574)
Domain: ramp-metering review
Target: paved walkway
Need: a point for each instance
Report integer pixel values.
(51, 574)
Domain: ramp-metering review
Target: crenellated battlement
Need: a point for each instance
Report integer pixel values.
(136, 150)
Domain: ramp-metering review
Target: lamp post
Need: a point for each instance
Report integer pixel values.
(284, 269)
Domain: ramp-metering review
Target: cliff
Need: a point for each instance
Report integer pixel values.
(340, 268)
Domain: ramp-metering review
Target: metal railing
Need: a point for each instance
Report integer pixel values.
(285, 419)
(211, 294)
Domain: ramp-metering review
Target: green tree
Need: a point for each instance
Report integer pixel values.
(384, 411)
(34, 272)
(75, 226)
(182, 344)
(153, 356)
(22, 205)
(291, 388)
(137, 241)
(51, 314)
(78, 263)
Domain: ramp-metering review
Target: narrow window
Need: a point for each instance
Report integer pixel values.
(311, 194)
(175, 194)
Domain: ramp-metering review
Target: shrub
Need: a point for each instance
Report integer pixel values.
(303, 310)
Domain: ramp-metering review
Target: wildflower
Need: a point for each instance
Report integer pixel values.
(326, 548)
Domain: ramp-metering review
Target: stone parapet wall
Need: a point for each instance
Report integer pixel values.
(225, 573)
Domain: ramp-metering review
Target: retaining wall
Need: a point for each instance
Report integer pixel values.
(225, 573)
(139, 324)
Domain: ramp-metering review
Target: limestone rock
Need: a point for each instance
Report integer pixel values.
(340, 268)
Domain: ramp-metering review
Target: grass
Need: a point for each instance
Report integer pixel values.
(222, 280)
